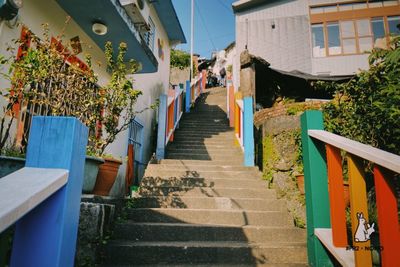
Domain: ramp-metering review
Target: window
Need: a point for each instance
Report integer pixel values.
(364, 33)
(318, 39)
(394, 25)
(334, 47)
(136, 139)
(150, 35)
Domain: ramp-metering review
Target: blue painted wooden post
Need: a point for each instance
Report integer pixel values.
(47, 235)
(162, 127)
(316, 187)
(188, 96)
(248, 135)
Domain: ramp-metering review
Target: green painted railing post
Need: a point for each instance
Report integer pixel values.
(316, 187)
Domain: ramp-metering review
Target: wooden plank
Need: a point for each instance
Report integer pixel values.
(23, 190)
(248, 135)
(344, 256)
(358, 207)
(382, 158)
(188, 97)
(316, 188)
(389, 230)
(162, 125)
(336, 196)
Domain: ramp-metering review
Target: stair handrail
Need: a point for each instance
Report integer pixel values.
(43, 199)
(325, 203)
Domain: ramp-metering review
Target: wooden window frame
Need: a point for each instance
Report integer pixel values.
(351, 15)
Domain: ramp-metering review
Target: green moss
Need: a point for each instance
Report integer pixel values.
(269, 157)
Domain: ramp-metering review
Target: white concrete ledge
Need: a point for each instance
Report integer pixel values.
(345, 257)
(23, 190)
(378, 156)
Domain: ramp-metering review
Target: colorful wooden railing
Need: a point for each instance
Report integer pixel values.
(325, 205)
(194, 89)
(243, 125)
(171, 110)
(174, 112)
(43, 199)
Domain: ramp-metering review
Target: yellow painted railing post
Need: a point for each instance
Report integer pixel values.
(359, 210)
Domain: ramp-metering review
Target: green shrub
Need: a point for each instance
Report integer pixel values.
(367, 108)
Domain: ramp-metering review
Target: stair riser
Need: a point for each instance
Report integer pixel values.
(192, 163)
(200, 168)
(211, 255)
(203, 174)
(206, 192)
(192, 182)
(170, 233)
(215, 217)
(206, 151)
(211, 203)
(203, 156)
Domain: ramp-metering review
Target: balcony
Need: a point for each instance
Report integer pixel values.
(120, 28)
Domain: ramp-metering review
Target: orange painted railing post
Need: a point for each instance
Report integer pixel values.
(203, 81)
(336, 196)
(389, 230)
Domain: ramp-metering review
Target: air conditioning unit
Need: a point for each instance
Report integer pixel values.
(138, 11)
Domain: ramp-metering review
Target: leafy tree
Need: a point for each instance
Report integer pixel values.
(180, 59)
(367, 108)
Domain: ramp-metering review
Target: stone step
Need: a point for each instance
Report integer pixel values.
(128, 252)
(211, 216)
(199, 168)
(176, 155)
(205, 142)
(224, 203)
(199, 232)
(201, 162)
(215, 265)
(206, 150)
(203, 174)
(225, 135)
(207, 192)
(202, 182)
(203, 130)
(187, 145)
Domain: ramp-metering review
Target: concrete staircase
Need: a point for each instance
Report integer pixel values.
(201, 207)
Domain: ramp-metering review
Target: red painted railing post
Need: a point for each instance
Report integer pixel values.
(389, 231)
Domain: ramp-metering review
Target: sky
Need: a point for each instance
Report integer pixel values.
(214, 25)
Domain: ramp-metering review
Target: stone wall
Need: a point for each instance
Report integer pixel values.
(179, 76)
(96, 221)
(277, 152)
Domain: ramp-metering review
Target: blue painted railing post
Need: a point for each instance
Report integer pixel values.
(188, 97)
(248, 135)
(47, 235)
(162, 127)
(316, 187)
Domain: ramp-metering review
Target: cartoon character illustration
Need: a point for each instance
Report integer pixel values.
(364, 230)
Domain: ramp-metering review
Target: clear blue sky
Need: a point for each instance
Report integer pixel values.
(214, 24)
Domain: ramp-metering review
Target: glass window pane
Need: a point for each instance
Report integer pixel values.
(394, 25)
(359, 5)
(344, 7)
(372, 4)
(334, 39)
(349, 46)
(316, 10)
(363, 27)
(347, 28)
(390, 3)
(378, 28)
(328, 9)
(365, 44)
(318, 40)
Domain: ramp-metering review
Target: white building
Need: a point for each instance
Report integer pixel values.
(150, 45)
(320, 37)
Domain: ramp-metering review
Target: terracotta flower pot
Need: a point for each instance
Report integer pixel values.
(300, 183)
(106, 176)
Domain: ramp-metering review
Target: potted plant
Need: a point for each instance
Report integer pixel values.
(115, 113)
